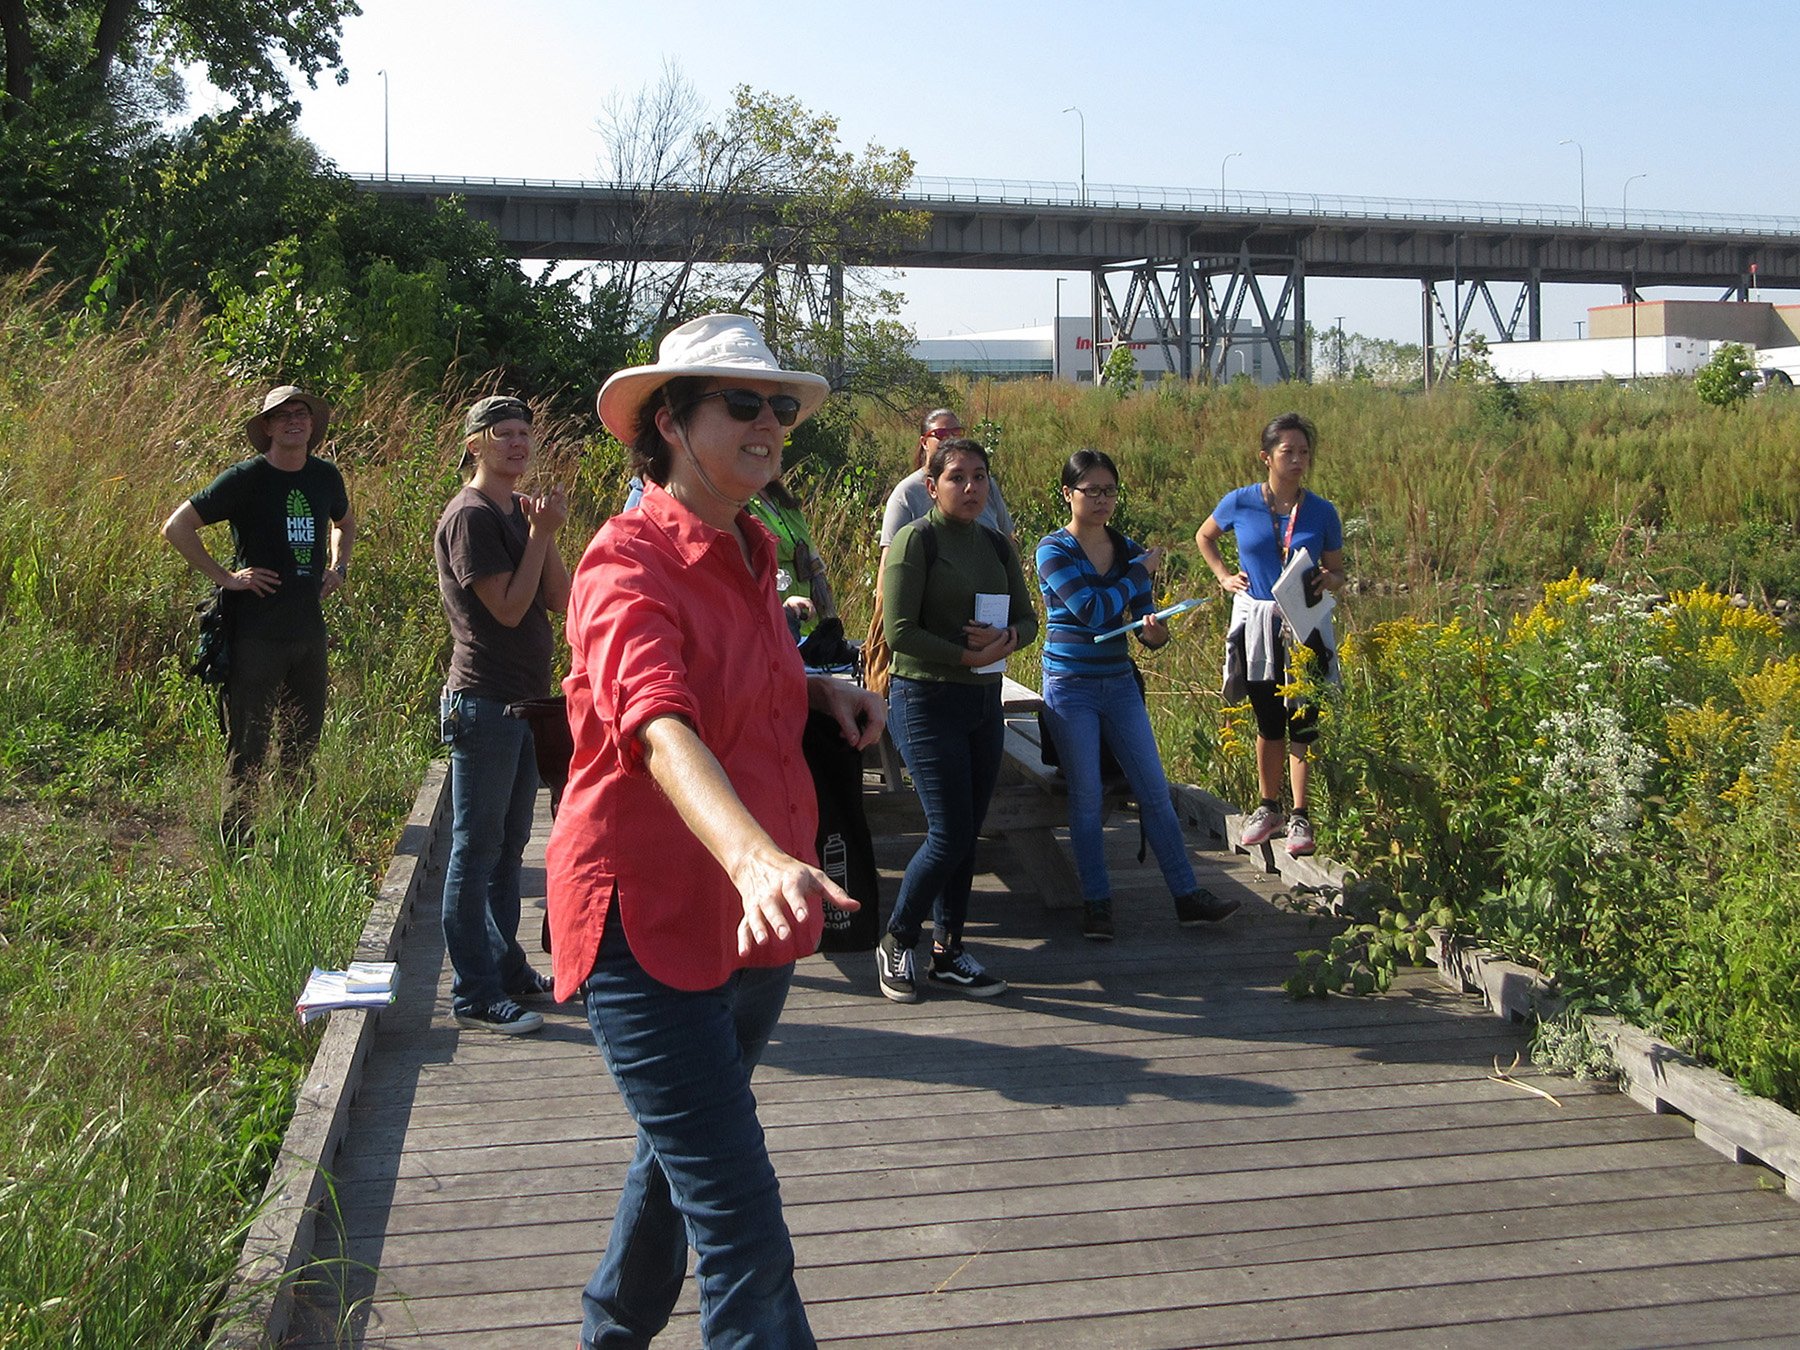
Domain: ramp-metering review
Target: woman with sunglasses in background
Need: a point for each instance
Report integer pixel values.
(682, 881)
(1095, 580)
(955, 606)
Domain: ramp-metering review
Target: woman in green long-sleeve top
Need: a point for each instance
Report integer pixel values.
(955, 606)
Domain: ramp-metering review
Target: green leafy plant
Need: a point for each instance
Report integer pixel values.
(1723, 380)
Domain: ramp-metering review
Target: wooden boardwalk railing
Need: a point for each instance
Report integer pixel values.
(1143, 1144)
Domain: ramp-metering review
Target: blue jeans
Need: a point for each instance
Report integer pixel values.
(1080, 710)
(493, 793)
(952, 737)
(701, 1173)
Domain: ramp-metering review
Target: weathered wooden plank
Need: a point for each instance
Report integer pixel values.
(1246, 1305)
(1143, 1144)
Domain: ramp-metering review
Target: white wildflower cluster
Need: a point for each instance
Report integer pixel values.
(1592, 769)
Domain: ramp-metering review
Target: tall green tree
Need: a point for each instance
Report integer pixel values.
(242, 45)
(787, 262)
(87, 83)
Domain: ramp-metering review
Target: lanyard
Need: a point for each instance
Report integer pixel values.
(1286, 537)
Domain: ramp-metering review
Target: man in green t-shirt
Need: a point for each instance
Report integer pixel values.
(291, 535)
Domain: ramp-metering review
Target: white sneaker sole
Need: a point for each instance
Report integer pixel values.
(972, 990)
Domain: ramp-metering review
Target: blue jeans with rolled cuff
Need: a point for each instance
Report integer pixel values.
(493, 795)
(701, 1173)
(952, 737)
(1080, 710)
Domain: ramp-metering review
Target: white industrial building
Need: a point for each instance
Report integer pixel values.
(1657, 338)
(1065, 351)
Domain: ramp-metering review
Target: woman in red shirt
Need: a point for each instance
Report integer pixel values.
(681, 876)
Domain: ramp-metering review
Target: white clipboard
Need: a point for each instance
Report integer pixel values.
(1290, 597)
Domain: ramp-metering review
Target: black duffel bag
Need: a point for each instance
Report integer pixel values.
(846, 850)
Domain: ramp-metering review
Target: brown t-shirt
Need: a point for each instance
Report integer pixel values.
(476, 539)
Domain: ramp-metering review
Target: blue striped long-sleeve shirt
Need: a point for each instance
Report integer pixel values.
(1079, 602)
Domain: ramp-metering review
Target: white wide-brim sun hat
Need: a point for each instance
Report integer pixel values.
(721, 346)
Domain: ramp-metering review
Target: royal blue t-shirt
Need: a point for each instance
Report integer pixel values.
(1244, 511)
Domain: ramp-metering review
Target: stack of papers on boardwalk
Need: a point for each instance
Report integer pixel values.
(366, 984)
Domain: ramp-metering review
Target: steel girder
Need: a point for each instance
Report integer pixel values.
(1195, 322)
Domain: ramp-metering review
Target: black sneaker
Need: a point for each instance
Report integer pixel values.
(894, 968)
(532, 985)
(502, 1015)
(1203, 907)
(1097, 922)
(963, 972)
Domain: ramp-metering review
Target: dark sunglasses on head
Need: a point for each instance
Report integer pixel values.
(745, 405)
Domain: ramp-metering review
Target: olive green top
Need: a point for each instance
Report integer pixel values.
(925, 607)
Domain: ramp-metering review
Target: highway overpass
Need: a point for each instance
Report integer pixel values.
(1189, 260)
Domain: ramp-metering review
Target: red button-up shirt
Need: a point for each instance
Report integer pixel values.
(665, 618)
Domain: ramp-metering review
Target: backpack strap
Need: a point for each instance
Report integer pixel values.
(927, 532)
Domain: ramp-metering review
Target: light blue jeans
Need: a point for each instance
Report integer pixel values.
(1080, 710)
(493, 793)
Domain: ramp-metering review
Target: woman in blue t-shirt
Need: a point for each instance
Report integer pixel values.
(1272, 519)
(1094, 580)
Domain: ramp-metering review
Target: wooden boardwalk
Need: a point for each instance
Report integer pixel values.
(1141, 1145)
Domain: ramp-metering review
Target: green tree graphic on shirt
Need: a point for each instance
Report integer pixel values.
(300, 530)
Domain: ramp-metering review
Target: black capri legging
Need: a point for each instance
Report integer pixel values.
(1275, 720)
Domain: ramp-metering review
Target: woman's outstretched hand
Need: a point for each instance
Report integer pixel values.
(779, 892)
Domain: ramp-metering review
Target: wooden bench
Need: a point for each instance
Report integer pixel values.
(1029, 806)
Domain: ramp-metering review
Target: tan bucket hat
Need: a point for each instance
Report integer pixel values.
(721, 346)
(258, 433)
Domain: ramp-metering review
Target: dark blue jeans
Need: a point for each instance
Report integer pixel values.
(1081, 709)
(701, 1173)
(952, 737)
(493, 793)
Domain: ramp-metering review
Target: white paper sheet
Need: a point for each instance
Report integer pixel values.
(1290, 597)
(993, 611)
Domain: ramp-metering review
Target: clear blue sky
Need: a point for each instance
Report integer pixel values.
(1441, 100)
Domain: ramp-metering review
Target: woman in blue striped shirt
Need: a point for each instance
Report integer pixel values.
(1094, 579)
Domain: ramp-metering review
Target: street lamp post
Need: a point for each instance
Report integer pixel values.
(1083, 119)
(1581, 162)
(384, 123)
(1625, 197)
(1235, 154)
(1056, 334)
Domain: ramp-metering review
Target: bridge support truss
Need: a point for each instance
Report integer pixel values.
(1195, 306)
(1527, 305)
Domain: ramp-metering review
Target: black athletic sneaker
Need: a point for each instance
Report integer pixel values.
(1203, 907)
(894, 968)
(531, 985)
(1097, 922)
(963, 972)
(503, 1016)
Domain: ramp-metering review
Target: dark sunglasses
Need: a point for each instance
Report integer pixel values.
(746, 405)
(942, 434)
